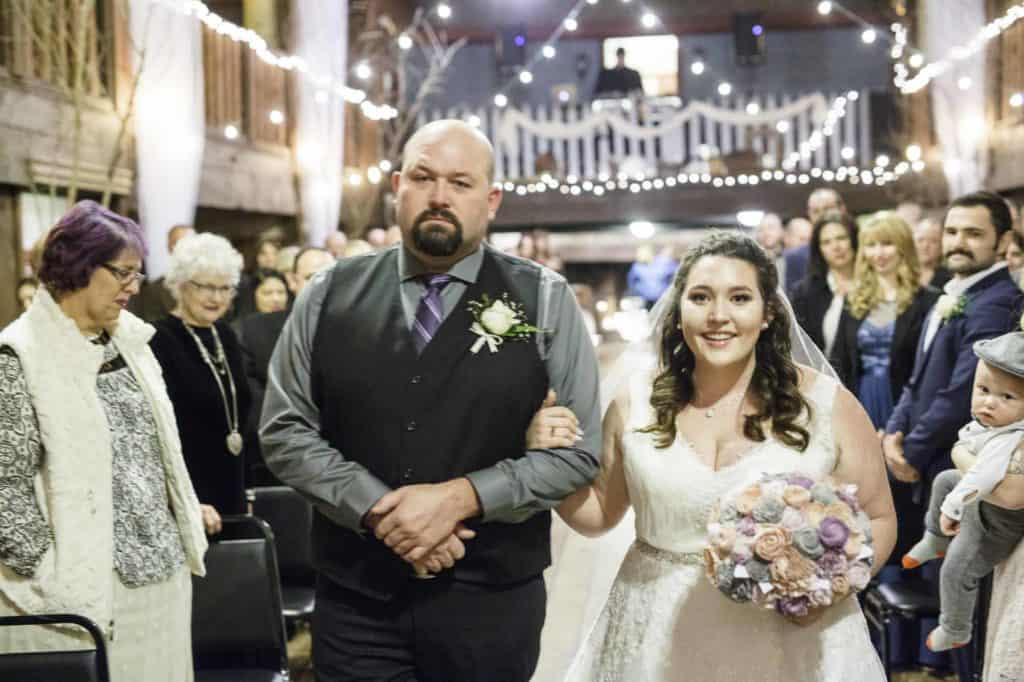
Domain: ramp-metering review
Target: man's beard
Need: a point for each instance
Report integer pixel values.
(437, 241)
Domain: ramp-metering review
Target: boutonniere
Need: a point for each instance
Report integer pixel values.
(497, 321)
(949, 306)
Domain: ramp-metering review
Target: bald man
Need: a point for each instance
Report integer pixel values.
(154, 300)
(402, 415)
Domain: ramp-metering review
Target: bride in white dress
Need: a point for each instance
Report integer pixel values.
(728, 404)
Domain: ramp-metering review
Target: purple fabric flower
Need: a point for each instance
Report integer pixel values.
(746, 526)
(850, 500)
(792, 606)
(833, 532)
(832, 563)
(801, 481)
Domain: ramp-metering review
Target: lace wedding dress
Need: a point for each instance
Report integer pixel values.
(664, 621)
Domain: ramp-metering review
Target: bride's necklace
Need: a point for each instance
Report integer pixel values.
(728, 400)
(234, 438)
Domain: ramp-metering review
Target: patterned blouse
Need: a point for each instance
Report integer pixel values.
(147, 544)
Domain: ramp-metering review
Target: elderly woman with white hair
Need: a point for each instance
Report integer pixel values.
(202, 364)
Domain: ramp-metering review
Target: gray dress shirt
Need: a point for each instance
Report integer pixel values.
(510, 491)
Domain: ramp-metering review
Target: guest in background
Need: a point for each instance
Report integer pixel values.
(377, 237)
(818, 298)
(797, 251)
(527, 246)
(26, 290)
(874, 355)
(285, 261)
(1014, 255)
(883, 317)
(770, 234)
(619, 80)
(910, 211)
(824, 200)
(270, 293)
(267, 248)
(358, 247)
(980, 302)
(928, 242)
(651, 274)
(97, 514)
(335, 244)
(258, 335)
(202, 364)
(154, 300)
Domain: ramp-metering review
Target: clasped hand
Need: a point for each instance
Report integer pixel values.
(901, 469)
(423, 523)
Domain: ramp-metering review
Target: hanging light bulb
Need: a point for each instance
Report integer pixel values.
(868, 36)
(824, 8)
(697, 68)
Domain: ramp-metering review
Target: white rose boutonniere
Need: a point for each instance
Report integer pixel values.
(497, 321)
(949, 306)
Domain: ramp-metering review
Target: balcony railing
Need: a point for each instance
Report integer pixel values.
(648, 137)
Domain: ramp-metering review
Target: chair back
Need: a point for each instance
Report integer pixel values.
(89, 665)
(290, 516)
(236, 607)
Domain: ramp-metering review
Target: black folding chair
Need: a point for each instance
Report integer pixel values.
(290, 516)
(88, 665)
(237, 628)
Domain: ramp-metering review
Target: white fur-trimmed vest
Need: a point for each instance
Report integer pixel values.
(74, 485)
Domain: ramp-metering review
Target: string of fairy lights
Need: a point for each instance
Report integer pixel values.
(912, 73)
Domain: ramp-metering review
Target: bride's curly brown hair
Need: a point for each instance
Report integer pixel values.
(775, 382)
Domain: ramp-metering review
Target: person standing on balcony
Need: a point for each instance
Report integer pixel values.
(619, 80)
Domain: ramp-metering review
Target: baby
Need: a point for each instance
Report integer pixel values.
(972, 534)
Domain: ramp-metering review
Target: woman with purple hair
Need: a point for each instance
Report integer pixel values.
(97, 513)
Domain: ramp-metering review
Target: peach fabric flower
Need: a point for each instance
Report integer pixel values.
(771, 542)
(841, 511)
(796, 496)
(746, 500)
(792, 571)
(815, 512)
(840, 586)
(853, 545)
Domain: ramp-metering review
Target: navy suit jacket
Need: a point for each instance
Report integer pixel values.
(936, 402)
(796, 265)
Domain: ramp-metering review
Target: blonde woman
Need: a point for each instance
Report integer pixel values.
(884, 314)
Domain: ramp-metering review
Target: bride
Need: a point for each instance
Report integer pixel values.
(725, 404)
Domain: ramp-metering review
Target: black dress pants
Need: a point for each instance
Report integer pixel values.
(438, 630)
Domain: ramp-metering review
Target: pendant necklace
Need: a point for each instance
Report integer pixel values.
(234, 438)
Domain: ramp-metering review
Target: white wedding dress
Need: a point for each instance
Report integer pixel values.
(664, 621)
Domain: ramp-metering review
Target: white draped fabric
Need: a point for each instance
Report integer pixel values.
(513, 120)
(1004, 651)
(960, 123)
(170, 126)
(321, 38)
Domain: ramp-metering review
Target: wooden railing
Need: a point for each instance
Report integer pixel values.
(242, 91)
(741, 147)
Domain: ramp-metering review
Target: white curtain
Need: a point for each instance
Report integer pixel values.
(960, 122)
(321, 38)
(170, 126)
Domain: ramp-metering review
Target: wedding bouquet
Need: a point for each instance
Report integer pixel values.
(789, 543)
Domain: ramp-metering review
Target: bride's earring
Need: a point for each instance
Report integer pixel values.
(764, 325)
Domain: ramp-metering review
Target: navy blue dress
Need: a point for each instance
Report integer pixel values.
(873, 390)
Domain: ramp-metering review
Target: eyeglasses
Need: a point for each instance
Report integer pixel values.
(211, 290)
(125, 277)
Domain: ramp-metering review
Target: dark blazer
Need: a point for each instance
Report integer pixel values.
(796, 265)
(258, 334)
(811, 298)
(909, 325)
(936, 402)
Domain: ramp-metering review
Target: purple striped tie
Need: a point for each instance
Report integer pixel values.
(429, 314)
